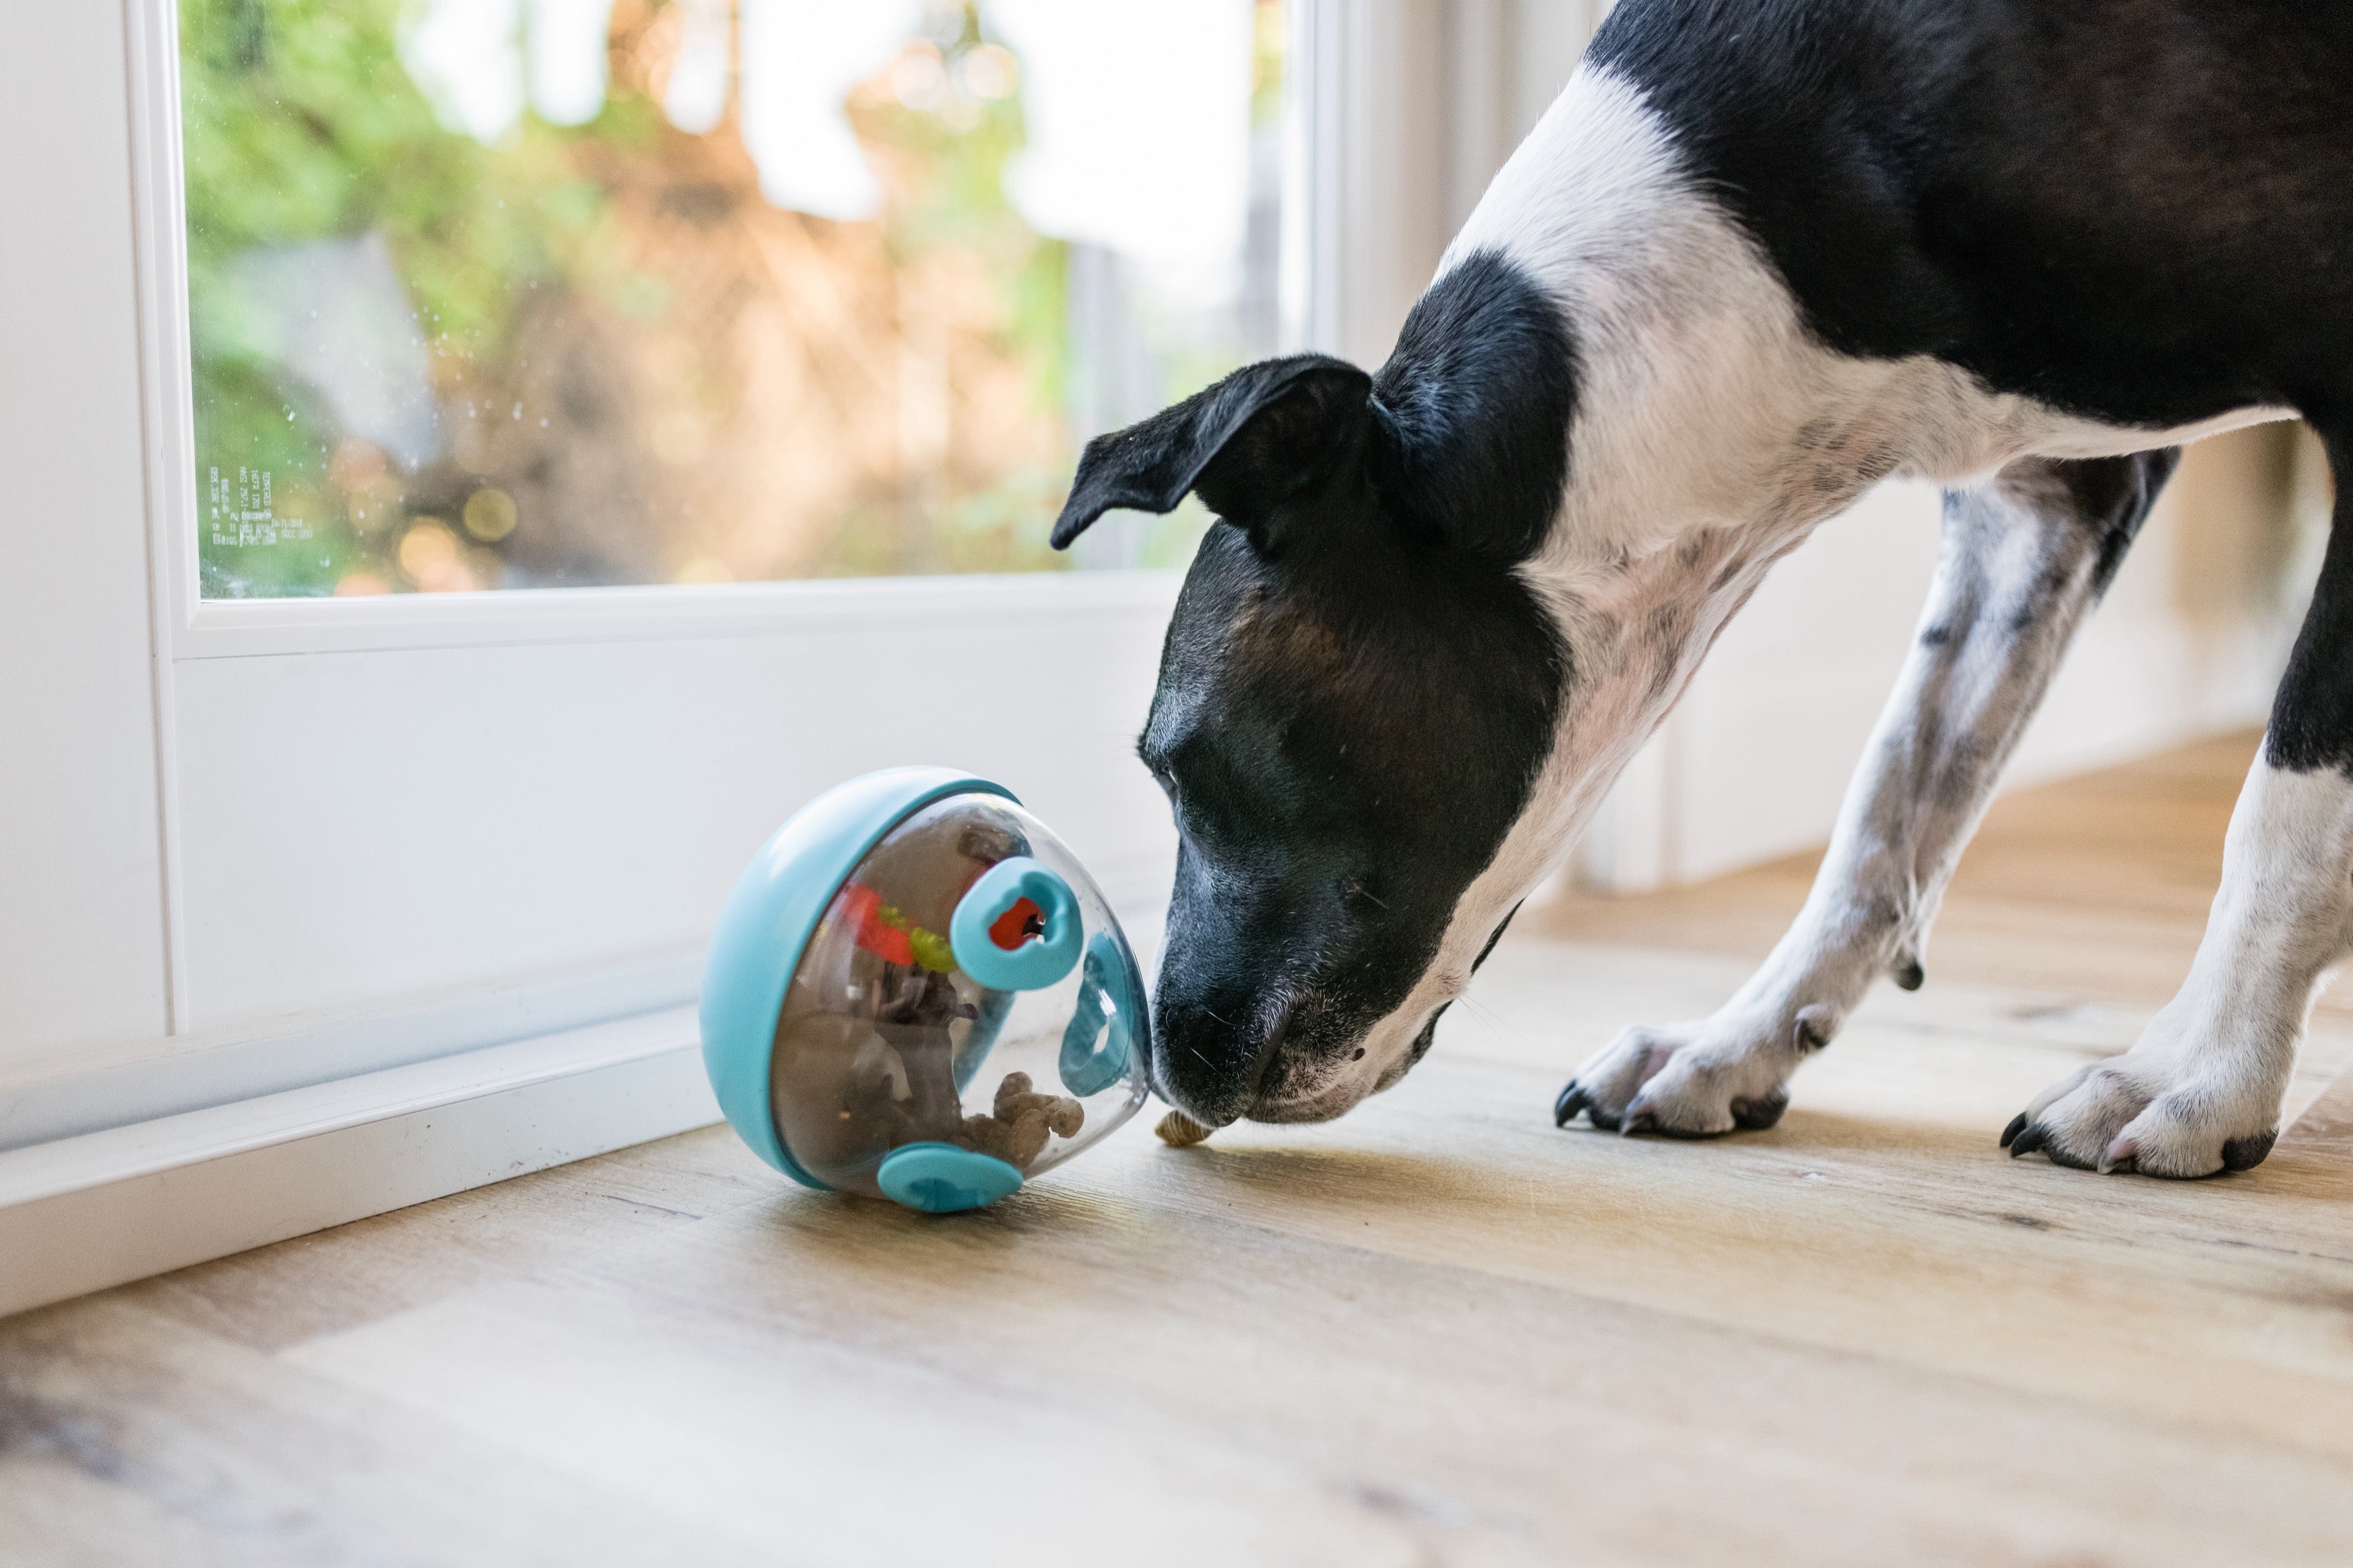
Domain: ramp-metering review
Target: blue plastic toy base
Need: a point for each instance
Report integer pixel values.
(939, 1178)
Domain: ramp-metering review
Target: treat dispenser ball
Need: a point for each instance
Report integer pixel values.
(917, 994)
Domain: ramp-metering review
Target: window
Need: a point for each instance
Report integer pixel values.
(542, 293)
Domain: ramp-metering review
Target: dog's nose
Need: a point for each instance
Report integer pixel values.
(1208, 1055)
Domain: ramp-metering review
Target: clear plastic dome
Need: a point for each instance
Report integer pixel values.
(967, 993)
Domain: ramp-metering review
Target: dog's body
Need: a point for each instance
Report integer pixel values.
(1759, 255)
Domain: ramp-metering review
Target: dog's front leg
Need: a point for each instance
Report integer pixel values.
(2023, 558)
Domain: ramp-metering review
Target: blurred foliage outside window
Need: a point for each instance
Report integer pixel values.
(470, 311)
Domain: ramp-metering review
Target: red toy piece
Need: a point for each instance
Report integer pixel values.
(1017, 925)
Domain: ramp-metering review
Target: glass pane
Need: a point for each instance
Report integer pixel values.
(526, 293)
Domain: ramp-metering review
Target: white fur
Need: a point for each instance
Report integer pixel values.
(1711, 435)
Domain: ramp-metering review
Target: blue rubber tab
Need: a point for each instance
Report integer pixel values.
(1040, 960)
(771, 916)
(939, 1178)
(1103, 1010)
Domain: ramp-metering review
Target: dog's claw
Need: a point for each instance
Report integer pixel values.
(1641, 1122)
(2123, 1154)
(1576, 1098)
(2246, 1153)
(2026, 1139)
(2010, 1133)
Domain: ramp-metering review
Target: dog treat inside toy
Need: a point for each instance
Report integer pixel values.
(1023, 1120)
(1179, 1131)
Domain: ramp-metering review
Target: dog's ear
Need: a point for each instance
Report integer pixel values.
(1266, 435)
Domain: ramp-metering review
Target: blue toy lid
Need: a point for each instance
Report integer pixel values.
(769, 919)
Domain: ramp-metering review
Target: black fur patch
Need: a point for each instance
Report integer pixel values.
(2312, 716)
(1474, 401)
(2112, 496)
(1493, 938)
(2135, 209)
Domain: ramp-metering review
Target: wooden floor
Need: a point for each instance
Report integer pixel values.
(1437, 1331)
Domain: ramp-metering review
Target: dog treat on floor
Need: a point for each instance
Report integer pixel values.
(1179, 1131)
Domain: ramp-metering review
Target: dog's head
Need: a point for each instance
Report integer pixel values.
(1357, 693)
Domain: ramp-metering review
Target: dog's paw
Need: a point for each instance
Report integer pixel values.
(2153, 1115)
(1693, 1080)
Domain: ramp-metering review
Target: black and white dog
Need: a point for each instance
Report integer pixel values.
(1759, 255)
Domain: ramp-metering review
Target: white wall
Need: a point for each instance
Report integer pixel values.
(366, 825)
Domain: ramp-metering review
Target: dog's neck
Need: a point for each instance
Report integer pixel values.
(1711, 433)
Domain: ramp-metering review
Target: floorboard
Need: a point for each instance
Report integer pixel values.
(1437, 1331)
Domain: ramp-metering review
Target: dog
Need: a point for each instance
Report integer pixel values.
(1758, 256)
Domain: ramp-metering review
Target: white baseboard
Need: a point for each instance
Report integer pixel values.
(64, 1094)
(83, 1213)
